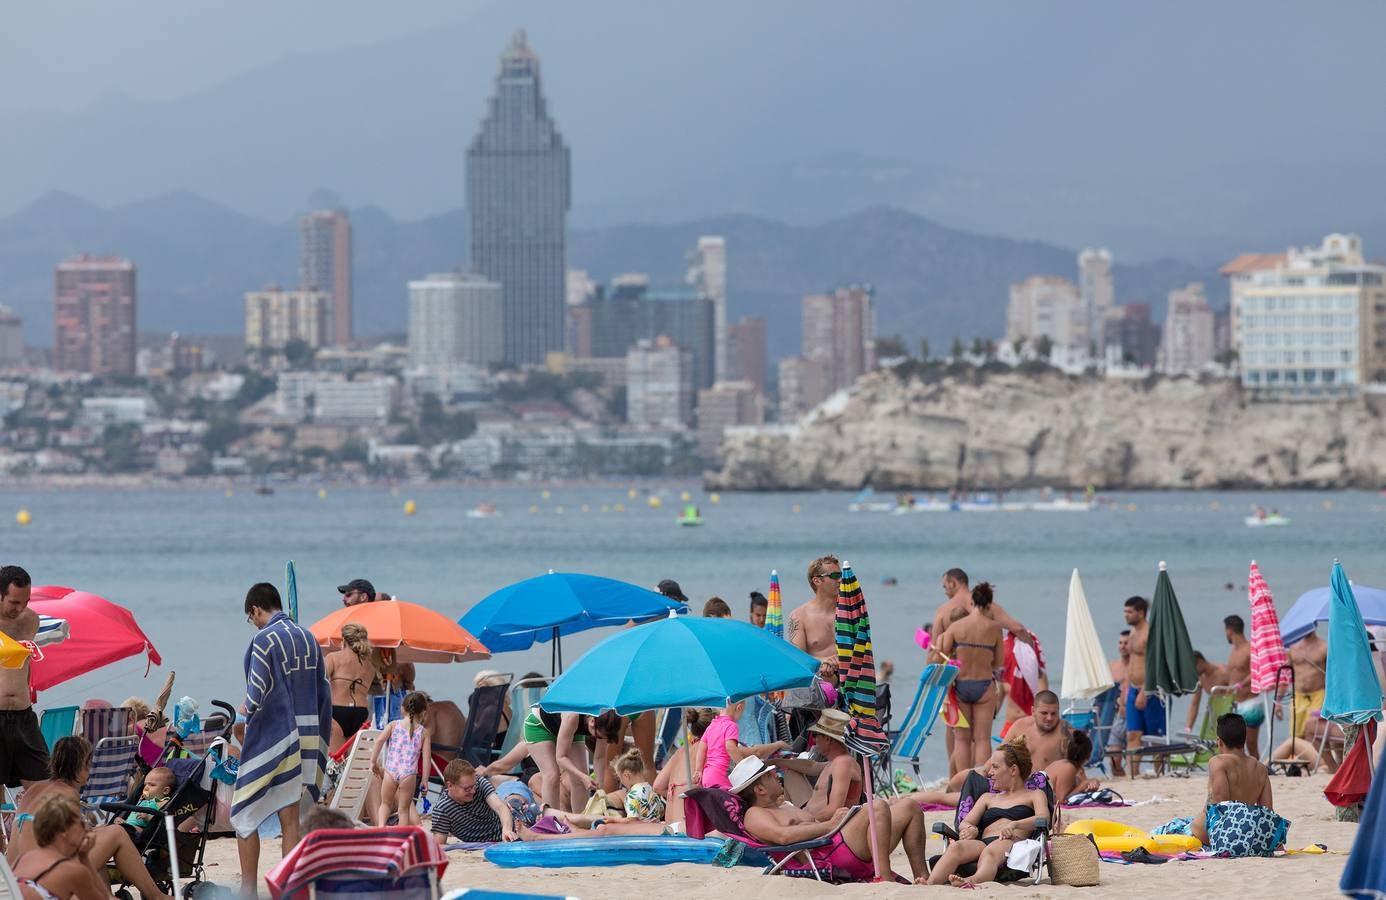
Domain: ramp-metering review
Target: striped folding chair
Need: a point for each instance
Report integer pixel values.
(349, 862)
(112, 764)
(918, 722)
(98, 724)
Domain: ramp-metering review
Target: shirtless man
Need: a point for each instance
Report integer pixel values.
(1046, 733)
(813, 626)
(23, 752)
(1116, 738)
(771, 820)
(1309, 656)
(1144, 714)
(1233, 774)
(1239, 676)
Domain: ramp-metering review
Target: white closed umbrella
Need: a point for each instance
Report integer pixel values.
(1086, 673)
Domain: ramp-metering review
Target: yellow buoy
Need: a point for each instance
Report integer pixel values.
(620, 507)
(794, 508)
(410, 507)
(544, 495)
(322, 493)
(714, 499)
(655, 502)
(23, 517)
(632, 494)
(685, 496)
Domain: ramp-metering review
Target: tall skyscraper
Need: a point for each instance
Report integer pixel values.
(518, 196)
(1095, 287)
(659, 384)
(1129, 327)
(324, 264)
(746, 354)
(840, 334)
(630, 311)
(708, 274)
(454, 319)
(274, 317)
(94, 316)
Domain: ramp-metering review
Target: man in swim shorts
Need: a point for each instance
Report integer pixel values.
(1309, 656)
(1145, 714)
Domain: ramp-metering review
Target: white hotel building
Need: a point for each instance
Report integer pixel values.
(1310, 321)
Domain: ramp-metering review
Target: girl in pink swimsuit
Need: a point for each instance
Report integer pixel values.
(403, 743)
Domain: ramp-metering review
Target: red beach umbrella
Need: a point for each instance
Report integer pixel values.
(101, 633)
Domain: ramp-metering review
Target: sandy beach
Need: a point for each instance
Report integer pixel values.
(1300, 800)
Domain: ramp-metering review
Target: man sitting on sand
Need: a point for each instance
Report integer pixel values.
(1046, 733)
(771, 820)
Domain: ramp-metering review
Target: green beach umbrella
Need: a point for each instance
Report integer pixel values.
(1169, 662)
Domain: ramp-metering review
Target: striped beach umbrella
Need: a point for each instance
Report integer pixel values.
(1268, 654)
(774, 611)
(856, 664)
(52, 630)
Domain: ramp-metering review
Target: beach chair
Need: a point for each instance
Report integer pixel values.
(401, 862)
(712, 809)
(523, 695)
(1193, 749)
(484, 708)
(98, 724)
(58, 722)
(667, 738)
(354, 782)
(112, 764)
(916, 725)
(974, 786)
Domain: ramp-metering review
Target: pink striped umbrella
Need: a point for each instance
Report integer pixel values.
(1267, 649)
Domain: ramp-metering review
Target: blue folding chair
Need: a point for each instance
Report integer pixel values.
(917, 723)
(57, 722)
(524, 694)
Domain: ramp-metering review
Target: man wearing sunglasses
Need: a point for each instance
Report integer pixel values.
(358, 590)
(812, 627)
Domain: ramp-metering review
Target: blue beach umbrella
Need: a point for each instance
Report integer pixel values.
(549, 606)
(1312, 608)
(1365, 875)
(679, 661)
(1352, 692)
(291, 590)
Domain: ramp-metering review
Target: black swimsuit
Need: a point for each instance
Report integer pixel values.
(995, 814)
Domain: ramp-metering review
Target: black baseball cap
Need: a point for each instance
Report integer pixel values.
(670, 588)
(357, 584)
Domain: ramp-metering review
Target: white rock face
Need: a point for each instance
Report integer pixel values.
(1016, 430)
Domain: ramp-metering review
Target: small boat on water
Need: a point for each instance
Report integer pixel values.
(264, 490)
(690, 517)
(483, 511)
(1272, 521)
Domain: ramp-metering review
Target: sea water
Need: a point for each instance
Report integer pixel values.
(181, 560)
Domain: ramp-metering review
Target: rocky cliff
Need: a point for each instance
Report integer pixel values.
(1015, 430)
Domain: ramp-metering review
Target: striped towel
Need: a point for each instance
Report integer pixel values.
(51, 630)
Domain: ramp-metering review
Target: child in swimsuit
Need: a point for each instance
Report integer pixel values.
(403, 743)
(157, 790)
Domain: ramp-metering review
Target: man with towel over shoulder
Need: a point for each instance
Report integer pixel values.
(288, 710)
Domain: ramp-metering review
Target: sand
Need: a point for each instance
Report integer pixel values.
(1298, 875)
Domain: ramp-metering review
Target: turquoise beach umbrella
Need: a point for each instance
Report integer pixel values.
(291, 590)
(1352, 693)
(679, 661)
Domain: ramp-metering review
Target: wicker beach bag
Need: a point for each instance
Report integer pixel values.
(1073, 860)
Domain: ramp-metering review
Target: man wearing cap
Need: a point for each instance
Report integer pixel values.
(670, 588)
(770, 820)
(357, 590)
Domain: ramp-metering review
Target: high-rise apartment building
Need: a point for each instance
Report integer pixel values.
(1309, 321)
(94, 316)
(1186, 344)
(726, 405)
(275, 317)
(746, 353)
(455, 320)
(11, 338)
(839, 333)
(1047, 306)
(1129, 327)
(803, 385)
(708, 273)
(1095, 288)
(629, 310)
(518, 196)
(659, 384)
(324, 264)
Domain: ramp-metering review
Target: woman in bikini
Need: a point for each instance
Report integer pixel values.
(350, 672)
(995, 822)
(975, 642)
(60, 866)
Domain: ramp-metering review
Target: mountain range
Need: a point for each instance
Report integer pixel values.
(196, 259)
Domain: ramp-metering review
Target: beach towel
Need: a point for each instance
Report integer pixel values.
(1240, 829)
(1353, 780)
(1024, 665)
(288, 718)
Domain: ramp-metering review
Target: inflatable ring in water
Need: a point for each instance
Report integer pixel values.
(625, 850)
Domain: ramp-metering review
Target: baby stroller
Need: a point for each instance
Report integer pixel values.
(193, 799)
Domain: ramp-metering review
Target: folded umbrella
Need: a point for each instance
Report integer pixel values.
(1169, 662)
(856, 672)
(101, 633)
(1352, 691)
(1086, 672)
(1268, 656)
(1365, 874)
(414, 633)
(774, 608)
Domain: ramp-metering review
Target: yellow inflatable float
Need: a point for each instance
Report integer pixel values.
(1120, 838)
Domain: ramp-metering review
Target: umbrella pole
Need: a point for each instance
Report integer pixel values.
(870, 812)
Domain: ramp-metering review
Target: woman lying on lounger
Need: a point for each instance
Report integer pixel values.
(995, 822)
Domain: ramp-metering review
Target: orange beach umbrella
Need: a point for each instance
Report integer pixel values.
(415, 633)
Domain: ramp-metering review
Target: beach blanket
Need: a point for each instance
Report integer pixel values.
(288, 718)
